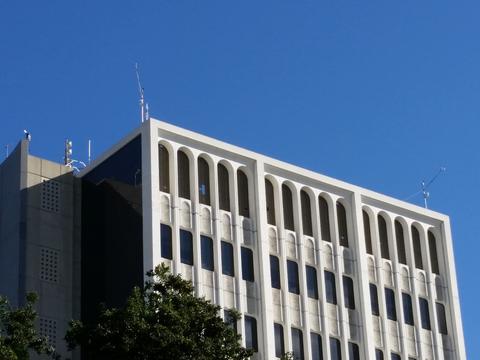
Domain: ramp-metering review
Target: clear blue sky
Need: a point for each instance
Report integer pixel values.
(377, 93)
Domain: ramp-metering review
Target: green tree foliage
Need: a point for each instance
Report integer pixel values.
(162, 321)
(17, 331)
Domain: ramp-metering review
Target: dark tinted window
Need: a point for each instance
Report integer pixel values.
(335, 350)
(348, 293)
(390, 304)
(251, 341)
(275, 272)
(166, 241)
(207, 253)
(279, 340)
(164, 168)
(186, 247)
(417, 248)
(374, 299)
(367, 232)
(317, 351)
(402, 257)
(442, 320)
(228, 267)
(183, 175)
(324, 219)
(330, 288)
(242, 182)
(424, 313)
(247, 265)
(353, 351)
(407, 309)
(297, 344)
(395, 356)
(203, 182)
(270, 202)
(378, 354)
(230, 319)
(223, 188)
(382, 231)
(292, 270)
(287, 208)
(312, 285)
(342, 224)
(432, 245)
(306, 214)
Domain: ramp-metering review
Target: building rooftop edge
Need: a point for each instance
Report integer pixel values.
(376, 196)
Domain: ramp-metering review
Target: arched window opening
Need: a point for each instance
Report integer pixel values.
(342, 224)
(417, 248)
(164, 168)
(383, 234)
(367, 232)
(402, 256)
(324, 219)
(432, 245)
(183, 175)
(203, 182)
(223, 188)
(306, 214)
(242, 182)
(270, 197)
(287, 207)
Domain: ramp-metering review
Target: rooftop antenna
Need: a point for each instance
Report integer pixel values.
(7, 150)
(143, 105)
(425, 185)
(28, 136)
(68, 160)
(89, 151)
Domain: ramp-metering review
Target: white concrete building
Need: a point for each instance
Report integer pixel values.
(316, 266)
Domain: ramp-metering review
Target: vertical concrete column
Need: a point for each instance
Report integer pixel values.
(150, 196)
(363, 282)
(338, 264)
(413, 279)
(317, 233)
(430, 279)
(216, 218)
(392, 245)
(454, 314)
(237, 242)
(175, 211)
(263, 256)
(197, 259)
(297, 212)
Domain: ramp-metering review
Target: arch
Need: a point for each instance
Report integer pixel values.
(205, 221)
(203, 181)
(417, 247)
(270, 200)
(324, 218)
(400, 239)
(328, 251)
(432, 246)
(342, 224)
(223, 187)
(383, 236)
(165, 208)
(287, 197)
(185, 214)
(183, 167)
(243, 196)
(309, 251)
(163, 167)
(226, 227)
(272, 238)
(306, 213)
(367, 232)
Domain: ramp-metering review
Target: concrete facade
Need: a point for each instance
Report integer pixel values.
(298, 254)
(313, 221)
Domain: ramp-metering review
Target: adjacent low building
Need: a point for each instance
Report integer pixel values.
(316, 266)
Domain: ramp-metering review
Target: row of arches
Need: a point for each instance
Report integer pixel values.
(204, 172)
(399, 231)
(306, 213)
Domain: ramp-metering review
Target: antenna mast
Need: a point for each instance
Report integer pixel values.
(143, 105)
(425, 186)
